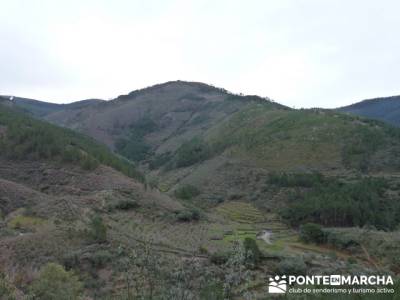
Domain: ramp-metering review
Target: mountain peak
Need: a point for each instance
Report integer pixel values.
(175, 86)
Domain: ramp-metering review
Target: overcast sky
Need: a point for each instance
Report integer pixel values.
(302, 53)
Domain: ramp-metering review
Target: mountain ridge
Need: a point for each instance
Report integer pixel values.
(386, 109)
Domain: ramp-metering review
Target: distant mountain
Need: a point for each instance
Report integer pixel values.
(41, 109)
(385, 109)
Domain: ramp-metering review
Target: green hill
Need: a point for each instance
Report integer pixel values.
(23, 137)
(308, 140)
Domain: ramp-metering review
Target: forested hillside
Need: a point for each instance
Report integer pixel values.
(234, 188)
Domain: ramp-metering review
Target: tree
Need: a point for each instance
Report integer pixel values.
(253, 253)
(312, 233)
(98, 230)
(54, 283)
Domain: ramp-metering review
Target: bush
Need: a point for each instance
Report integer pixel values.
(56, 283)
(196, 150)
(160, 160)
(188, 215)
(27, 223)
(292, 266)
(71, 260)
(253, 253)
(219, 258)
(295, 179)
(88, 163)
(187, 192)
(100, 258)
(312, 233)
(342, 241)
(7, 290)
(126, 204)
(203, 250)
(212, 291)
(98, 230)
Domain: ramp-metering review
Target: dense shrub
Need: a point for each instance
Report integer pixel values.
(71, 260)
(342, 241)
(7, 290)
(292, 266)
(357, 154)
(194, 151)
(187, 192)
(312, 233)
(219, 258)
(97, 229)
(160, 160)
(213, 291)
(134, 145)
(253, 253)
(100, 258)
(188, 215)
(126, 204)
(56, 283)
(295, 179)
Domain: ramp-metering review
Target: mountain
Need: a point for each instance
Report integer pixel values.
(384, 109)
(41, 109)
(189, 133)
(300, 191)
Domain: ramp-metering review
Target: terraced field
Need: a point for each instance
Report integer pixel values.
(241, 212)
(245, 220)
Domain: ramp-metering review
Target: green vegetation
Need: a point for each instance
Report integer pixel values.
(253, 253)
(126, 204)
(100, 258)
(7, 290)
(191, 152)
(219, 258)
(25, 222)
(312, 233)
(134, 146)
(188, 215)
(287, 139)
(56, 283)
(292, 265)
(358, 153)
(337, 203)
(98, 230)
(160, 160)
(130, 242)
(295, 179)
(380, 245)
(187, 192)
(28, 138)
